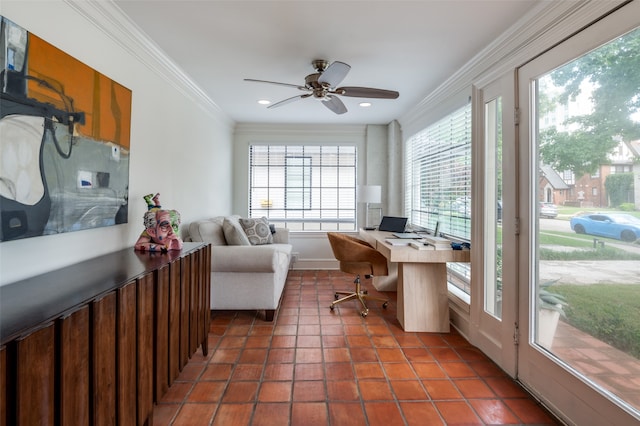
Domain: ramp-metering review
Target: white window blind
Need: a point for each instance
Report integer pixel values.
(438, 175)
(304, 187)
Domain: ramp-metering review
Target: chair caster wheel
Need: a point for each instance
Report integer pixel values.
(364, 314)
(332, 307)
(384, 305)
(365, 291)
(336, 296)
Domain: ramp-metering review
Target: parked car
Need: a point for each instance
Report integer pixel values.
(548, 210)
(462, 205)
(620, 226)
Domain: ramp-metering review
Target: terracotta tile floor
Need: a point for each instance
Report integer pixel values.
(614, 370)
(312, 366)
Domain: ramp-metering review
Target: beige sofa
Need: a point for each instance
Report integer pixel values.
(243, 276)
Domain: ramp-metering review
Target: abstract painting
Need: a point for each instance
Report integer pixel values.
(64, 140)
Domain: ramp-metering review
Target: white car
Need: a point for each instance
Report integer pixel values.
(548, 210)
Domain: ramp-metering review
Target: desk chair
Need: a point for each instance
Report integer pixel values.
(359, 258)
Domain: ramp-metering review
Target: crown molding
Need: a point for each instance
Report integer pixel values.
(304, 130)
(112, 21)
(542, 28)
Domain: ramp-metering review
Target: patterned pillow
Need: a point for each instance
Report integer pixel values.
(257, 231)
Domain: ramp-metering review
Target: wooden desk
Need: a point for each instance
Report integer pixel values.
(423, 299)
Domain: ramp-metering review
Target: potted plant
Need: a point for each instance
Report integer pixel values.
(550, 309)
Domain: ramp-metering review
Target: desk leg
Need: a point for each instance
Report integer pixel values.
(423, 300)
(387, 282)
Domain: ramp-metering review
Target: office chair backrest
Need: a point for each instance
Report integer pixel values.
(357, 256)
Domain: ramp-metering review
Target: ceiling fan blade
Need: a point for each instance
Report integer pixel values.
(289, 100)
(335, 105)
(275, 82)
(334, 74)
(366, 92)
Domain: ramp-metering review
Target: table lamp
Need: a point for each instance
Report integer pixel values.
(369, 194)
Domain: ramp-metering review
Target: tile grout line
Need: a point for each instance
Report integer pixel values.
(298, 293)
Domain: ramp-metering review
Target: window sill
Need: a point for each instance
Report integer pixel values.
(459, 298)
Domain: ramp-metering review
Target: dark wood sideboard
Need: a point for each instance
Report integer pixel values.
(100, 341)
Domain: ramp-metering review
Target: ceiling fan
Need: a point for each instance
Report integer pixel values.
(322, 84)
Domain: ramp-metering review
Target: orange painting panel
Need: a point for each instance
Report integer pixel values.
(105, 103)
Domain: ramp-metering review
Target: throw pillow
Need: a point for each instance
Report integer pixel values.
(233, 233)
(257, 231)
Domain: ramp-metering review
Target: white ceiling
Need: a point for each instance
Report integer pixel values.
(408, 46)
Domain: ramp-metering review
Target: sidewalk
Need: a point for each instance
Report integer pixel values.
(584, 272)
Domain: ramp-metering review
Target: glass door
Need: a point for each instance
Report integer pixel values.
(494, 300)
(579, 255)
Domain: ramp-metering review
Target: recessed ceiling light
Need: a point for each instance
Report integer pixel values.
(365, 104)
(264, 102)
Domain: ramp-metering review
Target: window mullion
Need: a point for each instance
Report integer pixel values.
(307, 187)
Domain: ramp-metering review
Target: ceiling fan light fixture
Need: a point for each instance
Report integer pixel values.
(321, 85)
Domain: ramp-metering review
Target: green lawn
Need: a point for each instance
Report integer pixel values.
(609, 312)
(606, 253)
(565, 239)
(566, 212)
(583, 245)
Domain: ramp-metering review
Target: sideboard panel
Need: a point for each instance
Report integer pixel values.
(100, 341)
(185, 297)
(73, 332)
(174, 321)
(145, 347)
(3, 385)
(193, 302)
(127, 347)
(35, 375)
(206, 312)
(103, 328)
(161, 330)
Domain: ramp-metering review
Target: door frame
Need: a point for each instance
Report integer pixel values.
(495, 337)
(570, 396)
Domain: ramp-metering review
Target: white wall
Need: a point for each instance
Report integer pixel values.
(180, 141)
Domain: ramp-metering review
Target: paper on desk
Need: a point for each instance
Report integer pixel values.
(397, 241)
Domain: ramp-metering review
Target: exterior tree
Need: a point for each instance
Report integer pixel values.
(619, 187)
(612, 71)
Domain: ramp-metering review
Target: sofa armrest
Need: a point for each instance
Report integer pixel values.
(281, 236)
(245, 258)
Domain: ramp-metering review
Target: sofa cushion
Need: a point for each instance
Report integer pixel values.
(233, 232)
(257, 231)
(208, 230)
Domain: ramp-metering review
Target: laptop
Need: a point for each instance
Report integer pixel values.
(392, 224)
